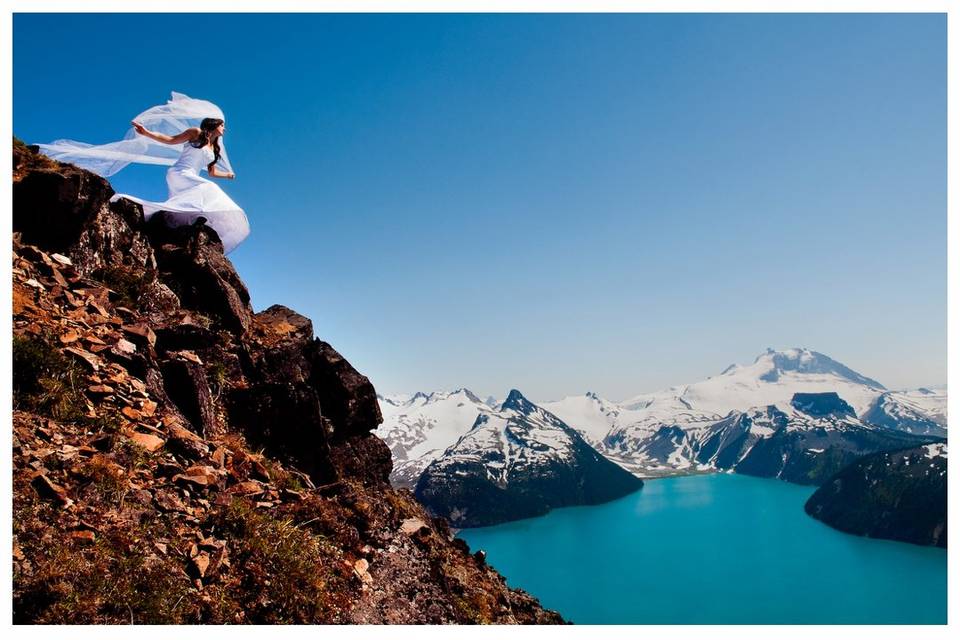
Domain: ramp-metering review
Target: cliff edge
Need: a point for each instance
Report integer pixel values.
(180, 458)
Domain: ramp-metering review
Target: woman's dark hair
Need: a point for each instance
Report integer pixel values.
(207, 127)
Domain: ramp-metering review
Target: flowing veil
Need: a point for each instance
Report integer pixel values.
(179, 113)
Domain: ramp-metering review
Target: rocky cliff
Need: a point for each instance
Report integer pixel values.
(179, 458)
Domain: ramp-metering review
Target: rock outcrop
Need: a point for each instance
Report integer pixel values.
(181, 458)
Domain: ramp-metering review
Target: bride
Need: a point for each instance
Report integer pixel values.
(187, 134)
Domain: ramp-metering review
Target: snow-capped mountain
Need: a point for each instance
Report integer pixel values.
(418, 428)
(814, 436)
(516, 462)
(656, 433)
(921, 411)
(772, 378)
(665, 432)
(590, 414)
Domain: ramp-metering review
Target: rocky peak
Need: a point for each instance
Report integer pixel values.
(517, 402)
(470, 395)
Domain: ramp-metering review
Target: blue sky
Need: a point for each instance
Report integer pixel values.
(553, 203)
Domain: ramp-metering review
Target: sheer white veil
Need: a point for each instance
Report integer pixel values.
(179, 113)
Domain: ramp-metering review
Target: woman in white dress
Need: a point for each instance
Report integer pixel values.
(187, 134)
(191, 196)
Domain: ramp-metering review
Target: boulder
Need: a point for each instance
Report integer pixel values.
(186, 385)
(191, 262)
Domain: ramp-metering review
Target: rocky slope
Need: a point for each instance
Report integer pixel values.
(517, 462)
(899, 495)
(178, 458)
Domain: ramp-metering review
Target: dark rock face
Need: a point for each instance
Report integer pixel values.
(303, 396)
(518, 463)
(822, 404)
(67, 210)
(350, 399)
(287, 420)
(186, 385)
(193, 266)
(897, 495)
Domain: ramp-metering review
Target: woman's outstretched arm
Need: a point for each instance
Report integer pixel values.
(183, 136)
(214, 173)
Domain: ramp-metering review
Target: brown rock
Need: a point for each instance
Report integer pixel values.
(140, 333)
(199, 476)
(84, 537)
(361, 570)
(185, 442)
(219, 457)
(100, 389)
(411, 526)
(247, 488)
(46, 488)
(201, 562)
(148, 408)
(124, 347)
(185, 383)
(149, 442)
(88, 358)
(92, 339)
(167, 500)
(189, 356)
(206, 280)
(62, 259)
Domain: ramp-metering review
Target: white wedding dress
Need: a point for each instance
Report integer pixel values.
(190, 195)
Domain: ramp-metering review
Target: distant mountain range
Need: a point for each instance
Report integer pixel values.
(796, 415)
(667, 432)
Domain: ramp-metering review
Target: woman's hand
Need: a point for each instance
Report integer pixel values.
(139, 128)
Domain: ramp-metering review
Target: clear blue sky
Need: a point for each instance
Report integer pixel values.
(553, 203)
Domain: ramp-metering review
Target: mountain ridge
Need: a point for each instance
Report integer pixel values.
(635, 433)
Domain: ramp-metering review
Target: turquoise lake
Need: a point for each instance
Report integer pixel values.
(714, 549)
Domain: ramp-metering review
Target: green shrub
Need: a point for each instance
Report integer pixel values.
(285, 577)
(45, 381)
(129, 283)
